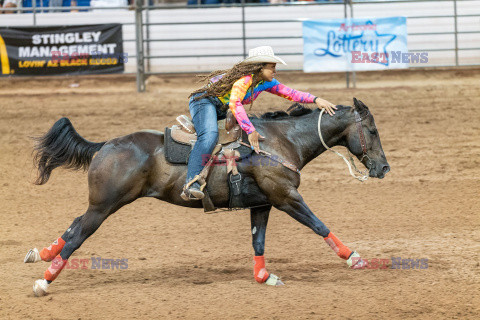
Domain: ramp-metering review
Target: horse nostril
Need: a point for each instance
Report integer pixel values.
(386, 169)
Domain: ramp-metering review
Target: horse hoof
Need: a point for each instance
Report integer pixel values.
(40, 287)
(32, 256)
(273, 280)
(361, 264)
(279, 283)
(355, 262)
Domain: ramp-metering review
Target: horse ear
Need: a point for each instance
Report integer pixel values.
(358, 105)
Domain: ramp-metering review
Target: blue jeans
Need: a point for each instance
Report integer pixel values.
(204, 116)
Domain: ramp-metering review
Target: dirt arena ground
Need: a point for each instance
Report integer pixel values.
(184, 264)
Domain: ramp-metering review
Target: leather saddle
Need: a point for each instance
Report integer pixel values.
(228, 130)
(180, 139)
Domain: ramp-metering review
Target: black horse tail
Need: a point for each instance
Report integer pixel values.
(62, 146)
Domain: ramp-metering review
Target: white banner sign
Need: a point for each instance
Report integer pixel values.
(357, 44)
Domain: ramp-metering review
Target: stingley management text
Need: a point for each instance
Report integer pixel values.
(68, 43)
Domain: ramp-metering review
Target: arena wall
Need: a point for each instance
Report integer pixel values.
(290, 48)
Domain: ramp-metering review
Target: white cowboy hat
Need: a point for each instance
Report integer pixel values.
(262, 54)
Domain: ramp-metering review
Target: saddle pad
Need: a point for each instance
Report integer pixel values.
(175, 152)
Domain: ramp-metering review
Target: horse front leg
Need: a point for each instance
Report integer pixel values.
(294, 205)
(259, 220)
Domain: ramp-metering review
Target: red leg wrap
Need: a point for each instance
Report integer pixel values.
(54, 270)
(47, 254)
(340, 249)
(259, 271)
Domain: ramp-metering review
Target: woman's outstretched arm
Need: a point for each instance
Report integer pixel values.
(283, 91)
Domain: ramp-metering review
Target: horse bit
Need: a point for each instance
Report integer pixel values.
(358, 121)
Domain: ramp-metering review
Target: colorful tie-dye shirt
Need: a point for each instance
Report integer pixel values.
(240, 95)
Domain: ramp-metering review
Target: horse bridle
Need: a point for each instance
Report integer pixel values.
(358, 120)
(363, 143)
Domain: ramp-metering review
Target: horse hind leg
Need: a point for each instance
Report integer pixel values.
(111, 187)
(105, 199)
(59, 252)
(47, 254)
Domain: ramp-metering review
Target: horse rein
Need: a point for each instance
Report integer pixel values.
(287, 164)
(358, 120)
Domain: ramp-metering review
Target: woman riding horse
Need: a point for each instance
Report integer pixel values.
(231, 89)
(133, 166)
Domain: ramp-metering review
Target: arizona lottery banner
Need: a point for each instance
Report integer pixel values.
(357, 44)
(85, 49)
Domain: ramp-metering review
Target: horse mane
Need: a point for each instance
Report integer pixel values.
(295, 110)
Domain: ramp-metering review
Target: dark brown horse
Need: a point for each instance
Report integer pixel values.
(133, 166)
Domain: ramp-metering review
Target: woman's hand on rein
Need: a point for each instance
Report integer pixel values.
(253, 139)
(328, 106)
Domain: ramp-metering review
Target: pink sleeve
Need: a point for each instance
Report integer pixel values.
(291, 94)
(239, 90)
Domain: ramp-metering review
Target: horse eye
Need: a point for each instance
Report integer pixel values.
(373, 131)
